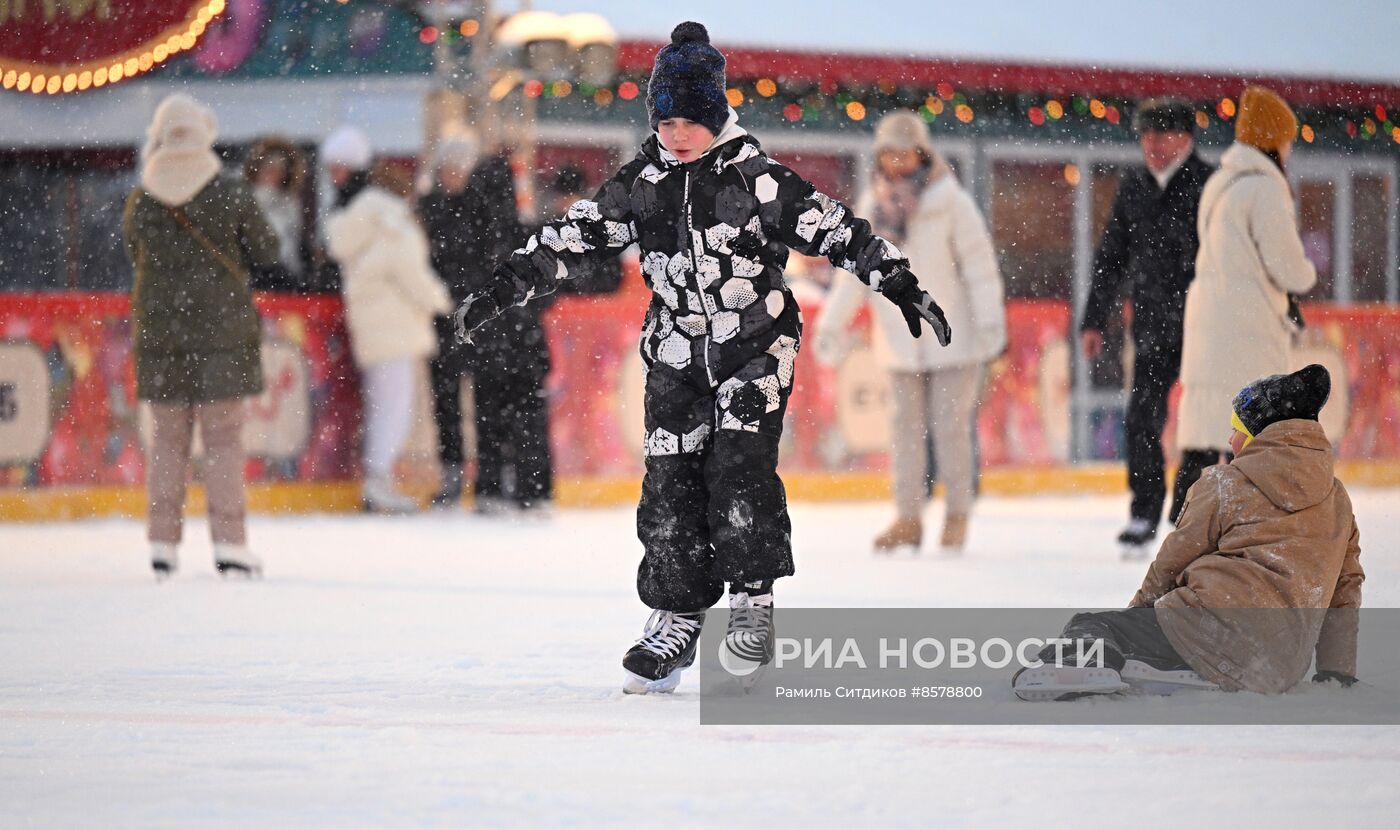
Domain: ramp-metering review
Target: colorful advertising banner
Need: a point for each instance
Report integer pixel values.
(68, 413)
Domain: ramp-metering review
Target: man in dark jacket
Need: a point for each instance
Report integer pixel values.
(1150, 242)
(473, 223)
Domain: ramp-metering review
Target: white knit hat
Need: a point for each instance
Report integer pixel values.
(348, 146)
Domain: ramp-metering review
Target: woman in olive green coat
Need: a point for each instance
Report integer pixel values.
(193, 237)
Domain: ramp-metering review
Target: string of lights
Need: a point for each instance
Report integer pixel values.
(951, 106)
(55, 79)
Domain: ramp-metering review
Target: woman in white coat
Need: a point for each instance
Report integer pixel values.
(915, 201)
(1238, 322)
(391, 297)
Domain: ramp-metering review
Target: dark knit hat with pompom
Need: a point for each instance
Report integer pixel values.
(688, 80)
(1275, 398)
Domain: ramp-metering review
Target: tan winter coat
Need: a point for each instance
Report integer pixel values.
(391, 292)
(1272, 530)
(1237, 328)
(950, 251)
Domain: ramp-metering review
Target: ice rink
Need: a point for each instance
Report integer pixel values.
(448, 670)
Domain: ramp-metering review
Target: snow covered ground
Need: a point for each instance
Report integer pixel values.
(456, 671)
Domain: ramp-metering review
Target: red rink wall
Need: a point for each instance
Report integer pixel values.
(68, 414)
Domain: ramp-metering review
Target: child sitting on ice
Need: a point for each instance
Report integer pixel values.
(714, 218)
(1274, 530)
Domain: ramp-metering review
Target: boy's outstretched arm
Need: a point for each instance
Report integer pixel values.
(593, 228)
(814, 224)
(1197, 533)
(1336, 642)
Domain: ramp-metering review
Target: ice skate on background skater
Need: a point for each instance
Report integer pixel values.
(714, 218)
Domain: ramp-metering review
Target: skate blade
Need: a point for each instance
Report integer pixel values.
(162, 571)
(745, 685)
(237, 570)
(1041, 683)
(1145, 679)
(635, 684)
(374, 508)
(1135, 553)
(898, 551)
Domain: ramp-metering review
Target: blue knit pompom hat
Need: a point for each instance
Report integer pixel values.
(688, 80)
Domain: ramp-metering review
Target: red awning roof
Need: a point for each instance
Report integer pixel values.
(846, 67)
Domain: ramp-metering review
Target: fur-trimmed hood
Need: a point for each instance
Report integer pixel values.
(179, 159)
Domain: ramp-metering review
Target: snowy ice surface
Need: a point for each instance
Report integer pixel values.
(447, 670)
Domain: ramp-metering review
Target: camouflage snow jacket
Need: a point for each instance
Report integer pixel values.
(714, 237)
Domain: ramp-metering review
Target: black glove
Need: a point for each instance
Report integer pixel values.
(915, 304)
(1329, 676)
(475, 312)
(1295, 312)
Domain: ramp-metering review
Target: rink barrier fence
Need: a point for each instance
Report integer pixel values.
(66, 503)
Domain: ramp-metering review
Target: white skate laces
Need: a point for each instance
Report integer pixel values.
(750, 621)
(668, 633)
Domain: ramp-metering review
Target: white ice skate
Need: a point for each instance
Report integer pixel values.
(237, 560)
(1147, 679)
(379, 495)
(165, 560)
(1050, 682)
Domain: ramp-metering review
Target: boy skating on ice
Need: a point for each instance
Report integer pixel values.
(1271, 530)
(714, 218)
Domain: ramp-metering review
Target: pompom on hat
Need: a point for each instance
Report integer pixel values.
(687, 80)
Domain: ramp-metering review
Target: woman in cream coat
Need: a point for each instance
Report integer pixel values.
(915, 201)
(391, 297)
(1238, 327)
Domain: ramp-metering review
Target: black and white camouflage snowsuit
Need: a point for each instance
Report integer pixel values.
(719, 343)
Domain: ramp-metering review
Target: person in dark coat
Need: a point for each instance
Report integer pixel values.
(1150, 243)
(473, 223)
(592, 277)
(275, 169)
(193, 237)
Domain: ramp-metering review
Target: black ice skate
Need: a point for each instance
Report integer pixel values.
(1135, 542)
(748, 642)
(449, 495)
(666, 649)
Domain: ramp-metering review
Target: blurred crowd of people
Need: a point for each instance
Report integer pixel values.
(404, 253)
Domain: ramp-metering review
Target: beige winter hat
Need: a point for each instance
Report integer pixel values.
(179, 157)
(460, 150)
(903, 130)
